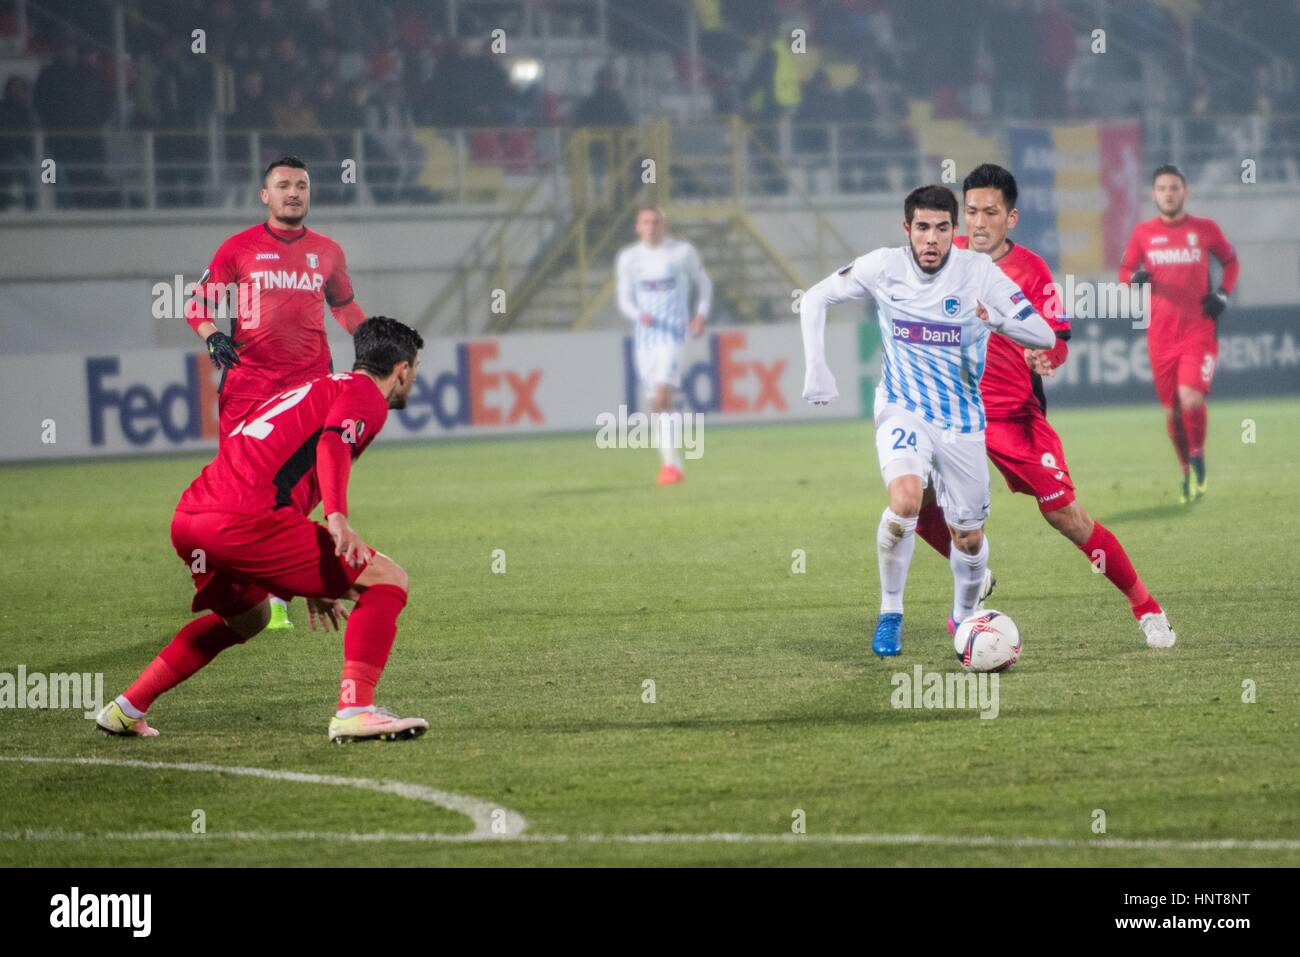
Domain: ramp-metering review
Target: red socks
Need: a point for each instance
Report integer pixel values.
(933, 527)
(193, 647)
(372, 626)
(1106, 553)
(1174, 423)
(1194, 425)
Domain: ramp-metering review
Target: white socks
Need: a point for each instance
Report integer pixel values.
(668, 426)
(895, 541)
(967, 576)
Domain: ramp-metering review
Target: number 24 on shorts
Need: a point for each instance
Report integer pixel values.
(903, 439)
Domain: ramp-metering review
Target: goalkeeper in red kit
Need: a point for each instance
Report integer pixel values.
(275, 279)
(1172, 252)
(1019, 439)
(242, 530)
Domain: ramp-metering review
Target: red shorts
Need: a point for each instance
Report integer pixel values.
(1191, 365)
(1028, 453)
(237, 560)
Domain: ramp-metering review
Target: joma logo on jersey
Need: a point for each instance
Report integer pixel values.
(926, 333)
(288, 279)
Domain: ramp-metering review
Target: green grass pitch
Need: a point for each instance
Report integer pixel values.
(766, 698)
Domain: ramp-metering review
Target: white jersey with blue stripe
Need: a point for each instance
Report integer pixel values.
(657, 280)
(933, 344)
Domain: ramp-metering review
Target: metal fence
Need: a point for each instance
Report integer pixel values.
(218, 168)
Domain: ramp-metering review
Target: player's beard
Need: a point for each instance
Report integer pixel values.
(292, 216)
(930, 272)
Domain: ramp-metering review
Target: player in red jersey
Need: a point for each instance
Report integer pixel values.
(1172, 252)
(1019, 440)
(276, 278)
(242, 529)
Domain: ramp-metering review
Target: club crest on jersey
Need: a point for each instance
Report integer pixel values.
(951, 306)
(1191, 239)
(1017, 296)
(312, 260)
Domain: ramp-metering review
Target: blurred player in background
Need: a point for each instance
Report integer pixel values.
(655, 277)
(1021, 443)
(1172, 253)
(242, 529)
(938, 307)
(276, 278)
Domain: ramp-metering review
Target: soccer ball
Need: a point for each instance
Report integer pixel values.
(987, 641)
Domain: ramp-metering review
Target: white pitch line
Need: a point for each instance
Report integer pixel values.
(481, 813)
(397, 837)
(490, 820)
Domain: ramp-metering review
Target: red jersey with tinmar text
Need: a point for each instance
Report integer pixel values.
(1008, 388)
(293, 451)
(1177, 255)
(279, 282)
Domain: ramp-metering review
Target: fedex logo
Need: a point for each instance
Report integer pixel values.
(179, 411)
(926, 333)
(725, 382)
(476, 392)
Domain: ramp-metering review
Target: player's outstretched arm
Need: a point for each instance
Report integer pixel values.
(842, 286)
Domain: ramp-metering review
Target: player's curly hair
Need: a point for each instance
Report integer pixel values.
(930, 197)
(381, 343)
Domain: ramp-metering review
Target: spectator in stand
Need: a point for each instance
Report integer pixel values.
(252, 107)
(819, 106)
(490, 103)
(339, 113)
(1056, 39)
(605, 106)
(18, 121)
(297, 127)
(393, 157)
(72, 104)
(182, 97)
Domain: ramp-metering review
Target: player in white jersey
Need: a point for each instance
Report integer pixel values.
(655, 277)
(937, 307)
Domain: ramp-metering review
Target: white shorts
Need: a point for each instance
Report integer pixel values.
(909, 445)
(660, 365)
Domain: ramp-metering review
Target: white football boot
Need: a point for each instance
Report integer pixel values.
(1155, 625)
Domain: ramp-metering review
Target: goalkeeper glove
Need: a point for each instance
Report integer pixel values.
(221, 350)
(1140, 277)
(1214, 303)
